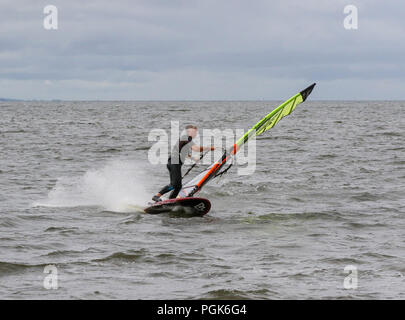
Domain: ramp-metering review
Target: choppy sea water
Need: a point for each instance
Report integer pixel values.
(328, 192)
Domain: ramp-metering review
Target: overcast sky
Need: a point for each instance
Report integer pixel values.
(201, 50)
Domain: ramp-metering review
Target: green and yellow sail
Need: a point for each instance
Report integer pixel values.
(268, 122)
(276, 115)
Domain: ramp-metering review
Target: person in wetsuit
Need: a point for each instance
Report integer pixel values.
(181, 150)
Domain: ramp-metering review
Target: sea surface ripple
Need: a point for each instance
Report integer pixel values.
(328, 192)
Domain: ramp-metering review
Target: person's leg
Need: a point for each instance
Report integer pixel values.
(175, 180)
(165, 189)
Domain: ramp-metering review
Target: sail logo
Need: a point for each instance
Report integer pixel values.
(200, 206)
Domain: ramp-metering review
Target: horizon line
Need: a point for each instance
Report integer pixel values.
(178, 100)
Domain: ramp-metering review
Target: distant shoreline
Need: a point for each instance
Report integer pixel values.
(7, 99)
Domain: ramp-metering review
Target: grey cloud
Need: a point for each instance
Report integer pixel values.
(158, 42)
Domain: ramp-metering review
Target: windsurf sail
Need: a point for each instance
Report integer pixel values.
(268, 122)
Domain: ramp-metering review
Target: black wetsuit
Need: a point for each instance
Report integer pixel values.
(179, 152)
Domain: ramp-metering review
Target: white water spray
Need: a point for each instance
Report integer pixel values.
(118, 186)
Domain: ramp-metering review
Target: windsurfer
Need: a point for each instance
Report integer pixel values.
(176, 159)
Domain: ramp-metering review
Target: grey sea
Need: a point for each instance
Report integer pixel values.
(321, 217)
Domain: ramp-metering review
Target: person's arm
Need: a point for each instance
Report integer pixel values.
(195, 159)
(201, 148)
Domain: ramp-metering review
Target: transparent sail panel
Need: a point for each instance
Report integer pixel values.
(189, 186)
